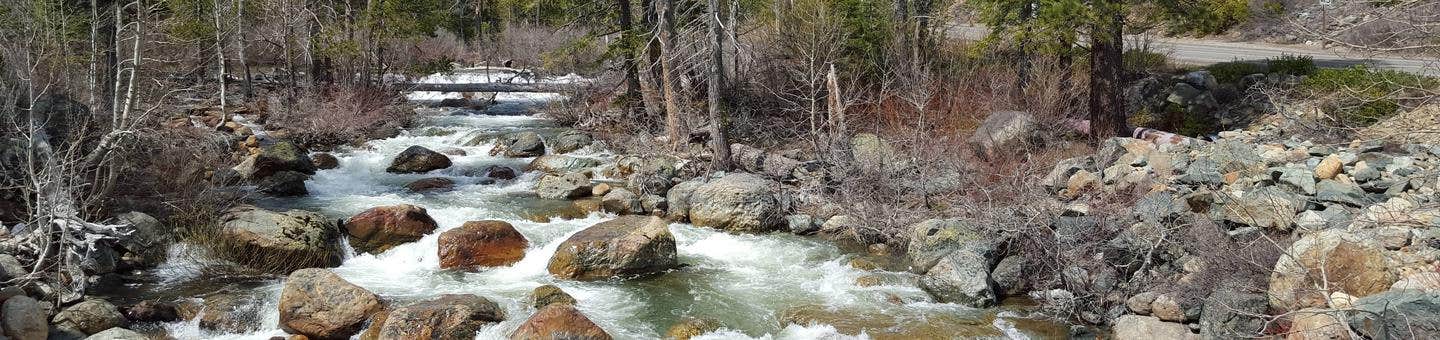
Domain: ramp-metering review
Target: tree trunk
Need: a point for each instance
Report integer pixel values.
(1106, 48)
(220, 58)
(650, 80)
(244, 64)
(719, 145)
(627, 47)
(1022, 61)
(731, 27)
(674, 125)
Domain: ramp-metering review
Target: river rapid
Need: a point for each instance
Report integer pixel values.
(748, 283)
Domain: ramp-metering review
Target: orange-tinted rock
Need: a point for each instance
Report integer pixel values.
(381, 228)
(627, 246)
(481, 244)
(559, 321)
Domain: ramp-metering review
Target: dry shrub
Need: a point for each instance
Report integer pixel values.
(340, 115)
(534, 46)
(167, 175)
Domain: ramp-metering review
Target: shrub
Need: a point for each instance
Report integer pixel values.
(1144, 60)
(1361, 96)
(1206, 16)
(1292, 65)
(1227, 73)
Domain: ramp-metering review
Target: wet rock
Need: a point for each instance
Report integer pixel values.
(498, 172)
(280, 241)
(1352, 266)
(621, 201)
(1397, 314)
(1316, 324)
(1002, 130)
(571, 140)
(455, 152)
(488, 243)
(557, 322)
(325, 161)
(378, 229)
(274, 158)
(90, 317)
(152, 311)
(23, 318)
(625, 246)
(547, 295)
(567, 186)
(933, 239)
(450, 316)
(737, 203)
(689, 327)
(521, 144)
(223, 311)
(117, 333)
(1135, 327)
(678, 199)
(431, 184)
(560, 164)
(148, 240)
(418, 159)
(283, 184)
(961, 277)
(318, 304)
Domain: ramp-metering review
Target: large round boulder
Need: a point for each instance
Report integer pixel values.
(931, 240)
(520, 144)
(571, 140)
(1397, 314)
(325, 161)
(737, 202)
(559, 321)
(487, 243)
(380, 228)
(90, 317)
(318, 304)
(625, 246)
(418, 159)
(23, 318)
(961, 277)
(677, 199)
(274, 158)
(279, 241)
(1331, 258)
(567, 186)
(451, 316)
(283, 184)
(148, 242)
(560, 164)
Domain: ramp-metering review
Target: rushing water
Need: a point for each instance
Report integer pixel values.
(743, 281)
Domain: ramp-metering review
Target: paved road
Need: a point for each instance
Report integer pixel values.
(1195, 51)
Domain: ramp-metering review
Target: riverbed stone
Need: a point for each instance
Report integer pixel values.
(931, 240)
(567, 186)
(738, 202)
(117, 333)
(690, 327)
(621, 201)
(1347, 193)
(417, 159)
(280, 241)
(23, 318)
(625, 246)
(318, 304)
(148, 241)
(571, 140)
(325, 161)
(549, 294)
(521, 144)
(274, 158)
(1353, 266)
(90, 317)
(489, 243)
(961, 277)
(152, 311)
(450, 316)
(283, 184)
(1136, 327)
(1009, 276)
(677, 199)
(560, 164)
(378, 229)
(557, 322)
(431, 184)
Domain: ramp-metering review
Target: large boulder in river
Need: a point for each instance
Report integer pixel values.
(677, 199)
(520, 144)
(117, 333)
(567, 186)
(571, 140)
(23, 318)
(418, 159)
(320, 305)
(149, 240)
(737, 202)
(933, 239)
(961, 277)
(559, 322)
(450, 316)
(325, 161)
(279, 241)
(1002, 130)
(90, 317)
(380, 228)
(1333, 259)
(486, 243)
(560, 164)
(283, 184)
(621, 201)
(625, 246)
(431, 184)
(274, 158)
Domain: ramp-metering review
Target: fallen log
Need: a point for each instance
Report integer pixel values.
(488, 87)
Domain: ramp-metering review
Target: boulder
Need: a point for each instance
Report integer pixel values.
(1010, 276)
(571, 140)
(1397, 314)
(418, 159)
(1231, 311)
(678, 199)
(559, 322)
(621, 201)
(520, 144)
(10, 268)
(1059, 176)
(1316, 324)
(625, 246)
(961, 277)
(737, 203)
(801, 224)
(318, 304)
(498, 172)
(567, 186)
(1352, 266)
(274, 158)
(1347, 193)
(549, 294)
(431, 184)
(325, 161)
(23, 318)
(476, 244)
(690, 327)
(1329, 167)
(450, 316)
(1135, 327)
(152, 311)
(378, 229)
(283, 184)
(148, 241)
(933, 239)
(90, 317)
(1140, 303)
(279, 241)
(650, 175)
(1002, 131)
(1265, 207)
(225, 312)
(561, 164)
(117, 333)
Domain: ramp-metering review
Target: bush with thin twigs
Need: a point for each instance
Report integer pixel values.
(339, 116)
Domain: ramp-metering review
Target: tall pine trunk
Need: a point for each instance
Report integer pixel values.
(627, 45)
(674, 125)
(1107, 114)
(718, 143)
